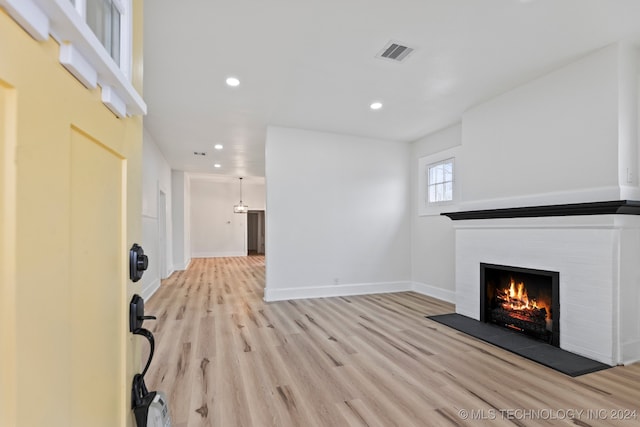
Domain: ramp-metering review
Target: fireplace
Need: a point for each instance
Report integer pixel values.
(594, 247)
(521, 299)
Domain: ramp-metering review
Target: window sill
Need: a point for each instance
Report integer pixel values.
(80, 51)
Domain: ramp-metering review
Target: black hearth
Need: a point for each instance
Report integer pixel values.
(521, 299)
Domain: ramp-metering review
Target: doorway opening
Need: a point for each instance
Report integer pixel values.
(255, 232)
(162, 235)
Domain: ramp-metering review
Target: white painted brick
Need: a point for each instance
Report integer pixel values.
(589, 257)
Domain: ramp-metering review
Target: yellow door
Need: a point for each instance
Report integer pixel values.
(97, 249)
(70, 183)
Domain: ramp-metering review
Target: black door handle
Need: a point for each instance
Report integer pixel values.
(138, 262)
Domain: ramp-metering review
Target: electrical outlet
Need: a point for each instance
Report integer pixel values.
(629, 176)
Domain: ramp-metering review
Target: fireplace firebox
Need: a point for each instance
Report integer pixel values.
(521, 299)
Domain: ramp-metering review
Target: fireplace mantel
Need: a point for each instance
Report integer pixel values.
(614, 207)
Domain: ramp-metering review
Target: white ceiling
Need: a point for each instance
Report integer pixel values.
(311, 64)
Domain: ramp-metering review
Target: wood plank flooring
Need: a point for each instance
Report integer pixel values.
(226, 358)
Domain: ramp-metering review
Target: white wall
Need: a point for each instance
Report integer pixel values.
(568, 136)
(432, 236)
(337, 215)
(216, 231)
(156, 178)
(552, 140)
(628, 69)
(180, 209)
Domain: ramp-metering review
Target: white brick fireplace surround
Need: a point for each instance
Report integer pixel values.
(598, 258)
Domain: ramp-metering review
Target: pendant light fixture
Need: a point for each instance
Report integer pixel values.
(240, 207)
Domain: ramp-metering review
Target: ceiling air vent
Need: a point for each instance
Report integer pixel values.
(394, 51)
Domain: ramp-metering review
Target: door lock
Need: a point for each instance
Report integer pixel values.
(138, 262)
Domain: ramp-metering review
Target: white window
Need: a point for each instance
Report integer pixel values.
(107, 19)
(440, 182)
(438, 188)
(103, 17)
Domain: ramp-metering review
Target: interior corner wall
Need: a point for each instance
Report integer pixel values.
(628, 59)
(337, 217)
(216, 231)
(552, 140)
(432, 236)
(181, 227)
(156, 178)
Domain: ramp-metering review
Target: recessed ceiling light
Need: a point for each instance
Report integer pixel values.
(232, 81)
(375, 105)
(217, 165)
(218, 147)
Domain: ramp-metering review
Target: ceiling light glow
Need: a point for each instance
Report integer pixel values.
(375, 105)
(218, 147)
(217, 165)
(232, 81)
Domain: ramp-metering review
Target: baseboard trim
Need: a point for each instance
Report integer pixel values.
(434, 292)
(630, 352)
(218, 254)
(335, 291)
(358, 289)
(150, 289)
(180, 267)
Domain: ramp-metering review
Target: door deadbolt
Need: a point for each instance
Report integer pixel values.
(138, 262)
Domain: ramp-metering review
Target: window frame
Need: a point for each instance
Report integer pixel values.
(124, 8)
(425, 207)
(431, 184)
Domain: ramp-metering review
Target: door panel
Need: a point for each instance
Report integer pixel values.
(7, 255)
(70, 186)
(97, 249)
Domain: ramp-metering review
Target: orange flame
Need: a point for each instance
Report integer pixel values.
(515, 297)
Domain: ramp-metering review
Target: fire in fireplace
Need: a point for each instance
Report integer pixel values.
(522, 299)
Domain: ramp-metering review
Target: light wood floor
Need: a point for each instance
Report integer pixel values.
(226, 358)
